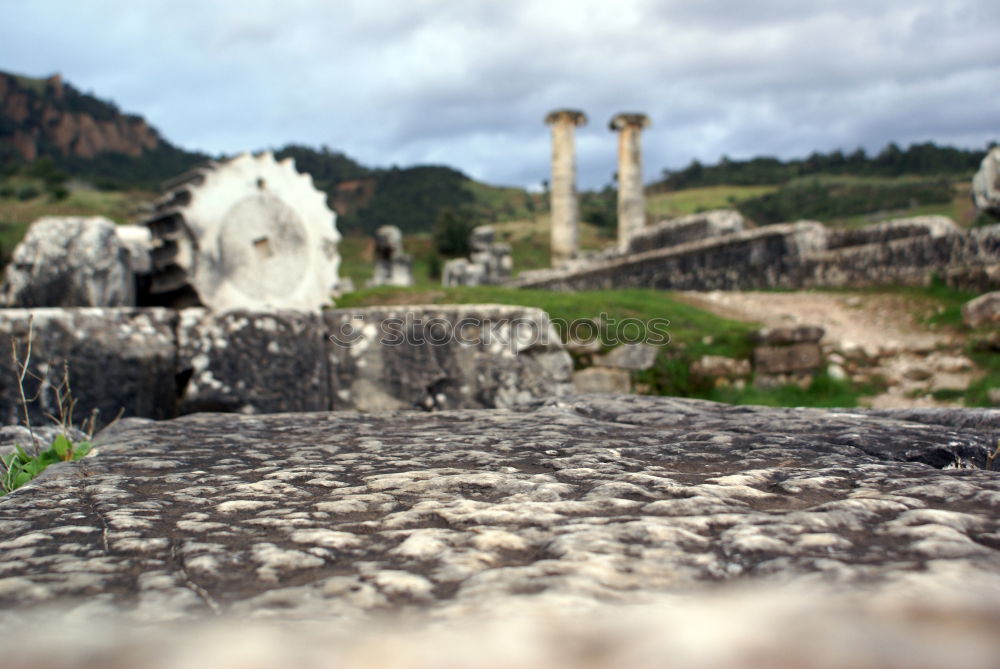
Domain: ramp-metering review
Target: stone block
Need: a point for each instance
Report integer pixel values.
(718, 366)
(789, 335)
(636, 356)
(602, 380)
(787, 359)
(983, 310)
(70, 261)
(443, 357)
(119, 360)
(252, 362)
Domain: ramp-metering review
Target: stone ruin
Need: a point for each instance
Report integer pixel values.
(723, 255)
(214, 305)
(248, 233)
(489, 262)
(986, 184)
(393, 267)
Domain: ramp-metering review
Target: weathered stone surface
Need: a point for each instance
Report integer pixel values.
(339, 516)
(602, 380)
(70, 261)
(636, 356)
(794, 256)
(393, 267)
(138, 243)
(443, 357)
(801, 334)
(887, 231)
(787, 359)
(718, 366)
(461, 272)
(986, 184)
(248, 233)
(489, 262)
(685, 229)
(118, 360)
(983, 310)
(252, 362)
(763, 257)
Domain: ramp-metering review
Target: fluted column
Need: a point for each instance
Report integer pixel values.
(631, 197)
(562, 190)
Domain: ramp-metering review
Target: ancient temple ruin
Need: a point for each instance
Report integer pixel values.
(564, 207)
(490, 262)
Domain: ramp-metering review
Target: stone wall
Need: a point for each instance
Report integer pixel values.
(686, 229)
(159, 363)
(798, 255)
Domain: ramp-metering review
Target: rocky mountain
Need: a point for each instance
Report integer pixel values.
(46, 116)
(82, 134)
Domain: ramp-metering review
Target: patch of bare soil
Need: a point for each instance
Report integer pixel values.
(867, 335)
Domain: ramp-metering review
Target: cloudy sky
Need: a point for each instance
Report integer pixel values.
(468, 82)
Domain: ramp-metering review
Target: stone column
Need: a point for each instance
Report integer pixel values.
(564, 209)
(631, 199)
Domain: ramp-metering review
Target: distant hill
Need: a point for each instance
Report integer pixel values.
(82, 135)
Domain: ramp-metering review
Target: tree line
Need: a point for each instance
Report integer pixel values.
(926, 159)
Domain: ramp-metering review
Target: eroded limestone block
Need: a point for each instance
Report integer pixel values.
(602, 380)
(443, 357)
(566, 503)
(251, 362)
(789, 359)
(685, 229)
(637, 356)
(986, 184)
(70, 261)
(118, 360)
(982, 310)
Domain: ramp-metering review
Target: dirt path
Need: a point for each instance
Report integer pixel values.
(913, 357)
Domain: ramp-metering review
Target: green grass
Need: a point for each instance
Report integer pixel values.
(694, 200)
(20, 467)
(823, 392)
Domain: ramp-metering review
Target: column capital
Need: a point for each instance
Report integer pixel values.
(629, 120)
(574, 116)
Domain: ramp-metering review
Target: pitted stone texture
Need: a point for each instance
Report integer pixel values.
(70, 261)
(342, 516)
(119, 360)
(252, 362)
(444, 357)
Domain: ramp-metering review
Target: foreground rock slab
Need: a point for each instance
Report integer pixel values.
(344, 516)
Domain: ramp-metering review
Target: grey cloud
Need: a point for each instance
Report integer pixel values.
(467, 84)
